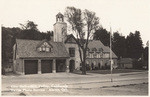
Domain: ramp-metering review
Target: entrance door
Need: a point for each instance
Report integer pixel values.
(72, 65)
(60, 65)
(46, 66)
(31, 66)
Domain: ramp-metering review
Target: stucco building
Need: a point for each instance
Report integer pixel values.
(58, 55)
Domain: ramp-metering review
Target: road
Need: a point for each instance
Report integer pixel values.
(75, 84)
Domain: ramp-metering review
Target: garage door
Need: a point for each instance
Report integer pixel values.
(31, 66)
(46, 66)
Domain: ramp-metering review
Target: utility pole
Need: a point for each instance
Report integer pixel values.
(111, 61)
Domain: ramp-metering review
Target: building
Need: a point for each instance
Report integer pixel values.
(59, 55)
(98, 56)
(125, 63)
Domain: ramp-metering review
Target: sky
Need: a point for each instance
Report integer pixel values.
(124, 16)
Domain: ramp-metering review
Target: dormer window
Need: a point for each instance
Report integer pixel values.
(45, 47)
(40, 49)
(100, 50)
(94, 49)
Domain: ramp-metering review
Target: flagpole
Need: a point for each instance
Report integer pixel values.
(110, 56)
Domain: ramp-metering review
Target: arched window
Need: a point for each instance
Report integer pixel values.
(94, 49)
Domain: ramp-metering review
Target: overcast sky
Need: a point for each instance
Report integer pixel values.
(124, 16)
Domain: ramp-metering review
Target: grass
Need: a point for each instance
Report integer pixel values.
(108, 71)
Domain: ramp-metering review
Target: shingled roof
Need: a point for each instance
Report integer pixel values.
(98, 44)
(95, 44)
(27, 49)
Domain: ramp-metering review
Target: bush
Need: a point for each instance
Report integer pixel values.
(137, 64)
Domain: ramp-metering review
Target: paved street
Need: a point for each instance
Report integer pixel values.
(76, 84)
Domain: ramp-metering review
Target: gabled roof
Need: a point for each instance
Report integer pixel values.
(98, 44)
(27, 49)
(94, 44)
(41, 42)
(69, 37)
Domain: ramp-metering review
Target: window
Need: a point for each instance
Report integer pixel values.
(40, 49)
(101, 55)
(43, 49)
(94, 55)
(106, 55)
(47, 49)
(100, 49)
(72, 52)
(91, 55)
(94, 49)
(87, 54)
(98, 55)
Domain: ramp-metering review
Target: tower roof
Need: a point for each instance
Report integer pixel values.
(59, 15)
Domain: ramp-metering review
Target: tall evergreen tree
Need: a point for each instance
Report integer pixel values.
(134, 45)
(103, 35)
(119, 45)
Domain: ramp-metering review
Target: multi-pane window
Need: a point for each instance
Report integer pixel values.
(45, 49)
(72, 52)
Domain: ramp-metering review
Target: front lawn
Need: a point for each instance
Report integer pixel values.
(108, 71)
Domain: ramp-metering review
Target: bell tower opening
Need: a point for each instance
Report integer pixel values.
(60, 28)
(59, 17)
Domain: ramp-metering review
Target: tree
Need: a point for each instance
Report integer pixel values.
(103, 35)
(8, 40)
(9, 36)
(83, 24)
(145, 55)
(119, 45)
(29, 25)
(134, 45)
(30, 31)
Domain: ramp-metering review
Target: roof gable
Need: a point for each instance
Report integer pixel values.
(44, 42)
(28, 49)
(98, 45)
(71, 39)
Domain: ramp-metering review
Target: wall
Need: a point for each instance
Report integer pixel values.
(18, 66)
(102, 62)
(77, 56)
(58, 37)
